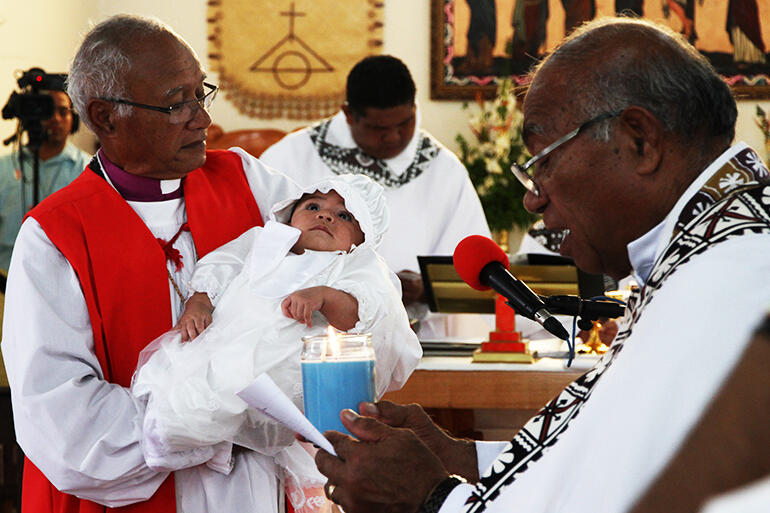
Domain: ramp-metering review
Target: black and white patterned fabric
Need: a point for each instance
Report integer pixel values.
(734, 201)
(354, 161)
(549, 239)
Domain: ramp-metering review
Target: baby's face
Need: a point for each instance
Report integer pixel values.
(325, 223)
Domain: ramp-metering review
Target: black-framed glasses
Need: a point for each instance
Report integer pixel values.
(180, 112)
(525, 173)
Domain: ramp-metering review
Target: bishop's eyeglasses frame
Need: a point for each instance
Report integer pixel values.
(179, 112)
(525, 173)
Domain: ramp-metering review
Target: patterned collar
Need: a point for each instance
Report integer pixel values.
(734, 167)
(354, 161)
(743, 170)
(549, 239)
(733, 201)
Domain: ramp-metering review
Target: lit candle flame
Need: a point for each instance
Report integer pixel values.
(333, 343)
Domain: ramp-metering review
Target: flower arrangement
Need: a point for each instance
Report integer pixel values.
(496, 126)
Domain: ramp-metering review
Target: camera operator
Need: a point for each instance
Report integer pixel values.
(60, 161)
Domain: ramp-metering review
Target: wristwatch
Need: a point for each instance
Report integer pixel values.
(439, 494)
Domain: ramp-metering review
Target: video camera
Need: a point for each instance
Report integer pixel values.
(31, 106)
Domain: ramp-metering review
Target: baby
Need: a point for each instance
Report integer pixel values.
(255, 298)
(325, 225)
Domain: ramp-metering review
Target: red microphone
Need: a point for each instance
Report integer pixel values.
(482, 264)
(472, 254)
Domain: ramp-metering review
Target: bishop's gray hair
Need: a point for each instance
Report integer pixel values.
(655, 69)
(103, 60)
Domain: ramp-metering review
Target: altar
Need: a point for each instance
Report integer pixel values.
(475, 400)
(484, 400)
(455, 382)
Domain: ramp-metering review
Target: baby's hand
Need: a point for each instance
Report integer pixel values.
(196, 316)
(301, 304)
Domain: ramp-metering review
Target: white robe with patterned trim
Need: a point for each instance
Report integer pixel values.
(687, 339)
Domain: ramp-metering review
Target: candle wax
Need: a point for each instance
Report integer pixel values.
(331, 386)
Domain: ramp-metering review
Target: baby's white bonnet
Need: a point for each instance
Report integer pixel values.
(364, 198)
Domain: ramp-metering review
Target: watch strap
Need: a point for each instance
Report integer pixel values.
(439, 494)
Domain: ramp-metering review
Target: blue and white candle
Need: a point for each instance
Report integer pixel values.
(337, 373)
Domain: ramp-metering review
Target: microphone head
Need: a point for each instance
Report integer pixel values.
(472, 254)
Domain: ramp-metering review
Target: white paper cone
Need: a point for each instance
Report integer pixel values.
(265, 396)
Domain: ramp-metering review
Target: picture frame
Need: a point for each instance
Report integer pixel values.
(463, 69)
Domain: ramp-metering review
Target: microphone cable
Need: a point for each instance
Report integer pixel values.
(571, 340)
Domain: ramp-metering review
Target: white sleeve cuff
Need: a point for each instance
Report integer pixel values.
(487, 452)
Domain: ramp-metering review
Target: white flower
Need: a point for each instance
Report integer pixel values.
(496, 140)
(502, 461)
(493, 166)
(503, 144)
(487, 150)
(698, 208)
(755, 163)
(730, 182)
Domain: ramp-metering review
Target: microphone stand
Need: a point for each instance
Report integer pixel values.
(588, 310)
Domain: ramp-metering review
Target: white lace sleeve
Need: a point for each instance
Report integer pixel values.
(217, 269)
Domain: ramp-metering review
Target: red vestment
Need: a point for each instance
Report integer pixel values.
(123, 274)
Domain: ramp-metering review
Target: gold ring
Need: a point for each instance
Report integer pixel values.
(330, 490)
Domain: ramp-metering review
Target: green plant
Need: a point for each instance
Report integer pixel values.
(496, 126)
(763, 122)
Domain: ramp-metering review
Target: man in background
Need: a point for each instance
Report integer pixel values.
(60, 162)
(432, 201)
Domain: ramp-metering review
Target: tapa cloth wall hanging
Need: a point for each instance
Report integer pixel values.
(281, 58)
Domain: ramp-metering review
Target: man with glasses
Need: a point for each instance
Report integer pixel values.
(631, 131)
(60, 162)
(101, 268)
